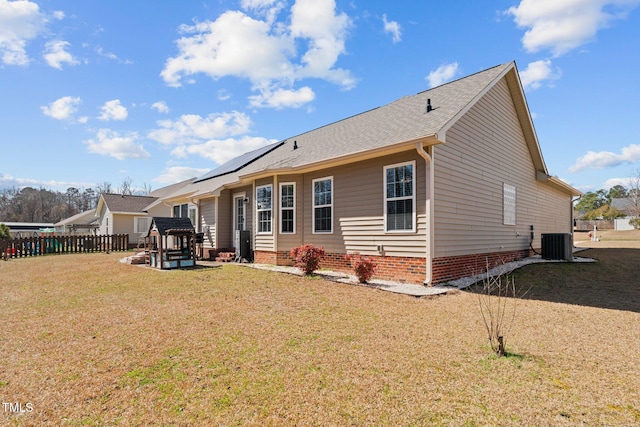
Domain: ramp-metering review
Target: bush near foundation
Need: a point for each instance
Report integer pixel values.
(363, 266)
(307, 257)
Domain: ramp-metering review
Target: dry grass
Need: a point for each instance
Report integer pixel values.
(89, 341)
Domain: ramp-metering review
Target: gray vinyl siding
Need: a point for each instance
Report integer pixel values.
(208, 219)
(224, 226)
(358, 210)
(225, 230)
(485, 149)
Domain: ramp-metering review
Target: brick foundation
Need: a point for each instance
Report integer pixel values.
(406, 269)
(450, 268)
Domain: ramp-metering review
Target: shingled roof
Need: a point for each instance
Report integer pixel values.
(121, 203)
(398, 125)
(166, 225)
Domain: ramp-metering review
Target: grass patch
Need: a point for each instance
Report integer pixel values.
(92, 341)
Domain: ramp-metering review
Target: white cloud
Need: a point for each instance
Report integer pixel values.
(326, 32)
(443, 74)
(536, 73)
(174, 174)
(393, 28)
(63, 109)
(56, 55)
(223, 95)
(110, 143)
(563, 25)
(20, 22)
(281, 98)
(221, 151)
(607, 159)
(110, 55)
(113, 110)
(612, 182)
(194, 129)
(7, 181)
(264, 51)
(268, 9)
(160, 106)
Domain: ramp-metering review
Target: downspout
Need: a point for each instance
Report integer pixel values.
(428, 160)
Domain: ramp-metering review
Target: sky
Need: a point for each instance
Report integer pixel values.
(155, 92)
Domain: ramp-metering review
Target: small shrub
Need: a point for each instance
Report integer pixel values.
(307, 257)
(5, 232)
(497, 299)
(635, 222)
(364, 267)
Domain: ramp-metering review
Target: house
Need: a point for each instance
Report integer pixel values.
(630, 206)
(82, 222)
(130, 214)
(126, 214)
(433, 186)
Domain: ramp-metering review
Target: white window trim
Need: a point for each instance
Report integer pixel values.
(136, 229)
(413, 196)
(236, 196)
(264, 210)
(509, 204)
(313, 205)
(282, 184)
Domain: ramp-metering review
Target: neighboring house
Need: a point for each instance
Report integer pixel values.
(126, 214)
(83, 222)
(432, 186)
(630, 206)
(122, 214)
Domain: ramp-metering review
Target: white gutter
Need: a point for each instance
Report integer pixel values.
(428, 160)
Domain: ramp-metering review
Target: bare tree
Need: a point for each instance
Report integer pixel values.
(104, 187)
(146, 189)
(126, 187)
(634, 193)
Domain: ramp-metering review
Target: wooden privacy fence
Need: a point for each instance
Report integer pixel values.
(44, 245)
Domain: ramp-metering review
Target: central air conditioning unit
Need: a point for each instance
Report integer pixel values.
(557, 246)
(242, 243)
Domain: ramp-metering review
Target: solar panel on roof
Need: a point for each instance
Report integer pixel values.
(238, 162)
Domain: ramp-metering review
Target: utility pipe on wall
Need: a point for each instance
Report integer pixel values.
(429, 245)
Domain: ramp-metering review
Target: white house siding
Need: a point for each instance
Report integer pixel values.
(208, 221)
(106, 222)
(484, 150)
(358, 210)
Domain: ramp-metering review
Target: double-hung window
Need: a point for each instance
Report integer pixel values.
(400, 197)
(323, 205)
(287, 208)
(263, 208)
